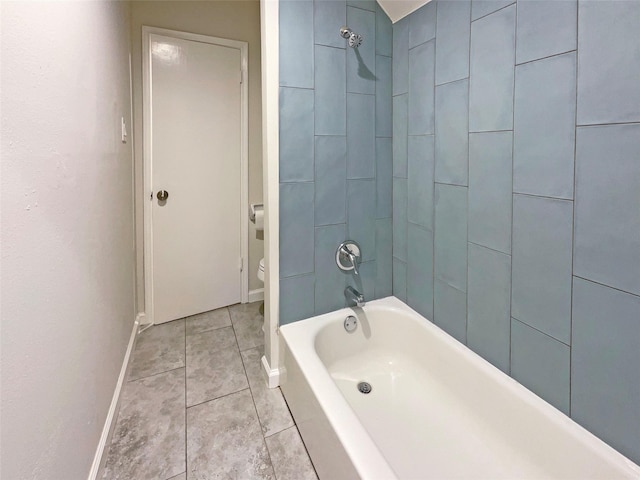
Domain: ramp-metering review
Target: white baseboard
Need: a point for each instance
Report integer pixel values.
(113, 408)
(256, 295)
(272, 375)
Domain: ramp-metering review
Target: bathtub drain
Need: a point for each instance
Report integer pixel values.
(364, 387)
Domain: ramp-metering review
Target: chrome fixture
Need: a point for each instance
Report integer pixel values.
(355, 39)
(354, 297)
(350, 323)
(348, 256)
(364, 387)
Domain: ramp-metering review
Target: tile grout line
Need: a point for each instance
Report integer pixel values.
(154, 374)
(217, 398)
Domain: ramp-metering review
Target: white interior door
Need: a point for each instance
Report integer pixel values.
(195, 99)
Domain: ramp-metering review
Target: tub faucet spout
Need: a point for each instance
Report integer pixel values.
(354, 297)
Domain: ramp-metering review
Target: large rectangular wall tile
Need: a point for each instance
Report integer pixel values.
(384, 257)
(422, 24)
(452, 132)
(384, 100)
(400, 218)
(451, 235)
(363, 4)
(421, 93)
(326, 15)
(608, 52)
(296, 228)
(296, 43)
(420, 181)
(361, 134)
(400, 279)
(296, 134)
(384, 178)
(490, 196)
(607, 231)
(489, 305)
(450, 310)
(545, 108)
(452, 40)
(361, 216)
(401, 56)
(361, 62)
(420, 270)
(330, 181)
(492, 72)
(400, 128)
(545, 28)
(605, 392)
(542, 255)
(541, 364)
(330, 280)
(296, 298)
(330, 92)
(481, 8)
(384, 33)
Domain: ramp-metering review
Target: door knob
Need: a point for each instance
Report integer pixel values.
(162, 195)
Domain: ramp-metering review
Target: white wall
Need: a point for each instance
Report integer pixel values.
(67, 231)
(235, 20)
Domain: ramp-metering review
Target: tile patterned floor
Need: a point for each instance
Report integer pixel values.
(195, 406)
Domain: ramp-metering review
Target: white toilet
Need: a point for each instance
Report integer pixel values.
(261, 270)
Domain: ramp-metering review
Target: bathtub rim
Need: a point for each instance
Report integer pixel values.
(355, 439)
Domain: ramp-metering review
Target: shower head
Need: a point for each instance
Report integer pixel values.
(355, 39)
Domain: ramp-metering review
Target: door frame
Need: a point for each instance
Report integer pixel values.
(147, 169)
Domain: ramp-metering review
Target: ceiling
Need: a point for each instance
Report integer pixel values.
(397, 9)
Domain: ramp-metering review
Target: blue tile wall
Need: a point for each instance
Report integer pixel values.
(545, 107)
(296, 135)
(336, 165)
(542, 241)
(452, 46)
(420, 270)
(490, 196)
(329, 281)
(540, 363)
(452, 132)
(420, 181)
(361, 62)
(451, 235)
(607, 230)
(545, 28)
(605, 392)
(450, 310)
(609, 58)
(489, 305)
(361, 134)
(492, 71)
(296, 43)
(534, 222)
(330, 91)
(421, 95)
(330, 180)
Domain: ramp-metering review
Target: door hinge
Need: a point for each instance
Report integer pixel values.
(241, 76)
(241, 263)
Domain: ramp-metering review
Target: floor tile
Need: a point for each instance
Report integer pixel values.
(224, 440)
(158, 349)
(148, 440)
(289, 457)
(247, 324)
(203, 322)
(214, 366)
(272, 410)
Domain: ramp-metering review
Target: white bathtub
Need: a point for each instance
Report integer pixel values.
(437, 410)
